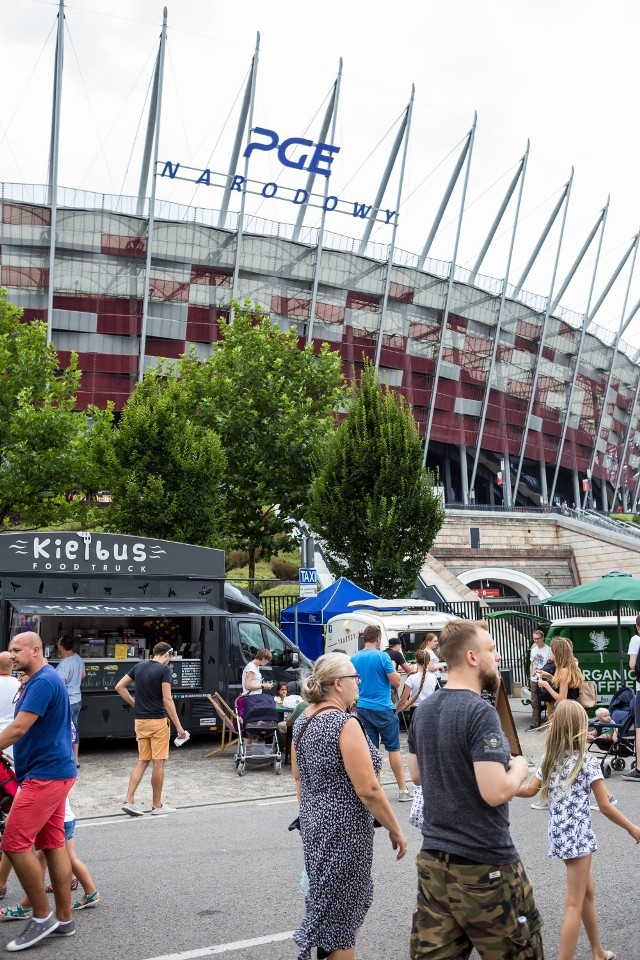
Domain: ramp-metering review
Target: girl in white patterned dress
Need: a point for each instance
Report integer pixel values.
(566, 779)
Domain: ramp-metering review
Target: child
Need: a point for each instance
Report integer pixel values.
(281, 692)
(90, 897)
(602, 736)
(417, 686)
(565, 779)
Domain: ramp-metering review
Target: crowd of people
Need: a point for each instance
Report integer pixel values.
(473, 889)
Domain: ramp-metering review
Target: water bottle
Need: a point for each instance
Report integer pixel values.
(523, 929)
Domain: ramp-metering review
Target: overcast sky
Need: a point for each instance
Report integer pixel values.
(562, 74)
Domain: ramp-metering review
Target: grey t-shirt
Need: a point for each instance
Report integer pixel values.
(451, 730)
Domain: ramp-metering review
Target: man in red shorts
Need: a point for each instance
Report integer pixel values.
(46, 771)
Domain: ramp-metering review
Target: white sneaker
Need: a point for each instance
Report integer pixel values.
(133, 809)
(537, 805)
(160, 811)
(404, 796)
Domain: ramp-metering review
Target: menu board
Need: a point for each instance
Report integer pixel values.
(104, 674)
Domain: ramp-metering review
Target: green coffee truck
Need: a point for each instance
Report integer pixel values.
(595, 644)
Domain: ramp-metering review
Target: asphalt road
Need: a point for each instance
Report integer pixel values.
(224, 880)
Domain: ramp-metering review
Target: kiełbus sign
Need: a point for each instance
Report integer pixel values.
(317, 159)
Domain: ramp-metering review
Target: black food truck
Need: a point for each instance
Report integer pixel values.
(116, 596)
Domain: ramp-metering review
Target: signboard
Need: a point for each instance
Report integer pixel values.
(308, 581)
(103, 675)
(105, 553)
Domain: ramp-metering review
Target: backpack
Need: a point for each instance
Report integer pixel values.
(588, 695)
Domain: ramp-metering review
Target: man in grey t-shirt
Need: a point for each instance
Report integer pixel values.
(71, 669)
(472, 888)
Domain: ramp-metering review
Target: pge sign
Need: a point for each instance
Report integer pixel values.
(319, 161)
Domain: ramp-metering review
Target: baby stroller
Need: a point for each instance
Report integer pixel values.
(257, 721)
(8, 788)
(615, 753)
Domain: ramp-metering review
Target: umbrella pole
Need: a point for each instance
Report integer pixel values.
(623, 679)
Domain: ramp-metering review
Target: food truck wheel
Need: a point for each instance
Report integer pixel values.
(618, 763)
(278, 767)
(607, 770)
(241, 770)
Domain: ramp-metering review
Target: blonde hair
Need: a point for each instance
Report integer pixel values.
(566, 667)
(327, 669)
(567, 736)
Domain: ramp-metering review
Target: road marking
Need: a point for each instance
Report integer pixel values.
(271, 803)
(226, 947)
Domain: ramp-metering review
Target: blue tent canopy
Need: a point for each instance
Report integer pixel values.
(314, 612)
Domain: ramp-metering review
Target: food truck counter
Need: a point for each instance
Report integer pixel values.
(104, 673)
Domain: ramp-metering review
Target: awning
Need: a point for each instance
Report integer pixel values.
(123, 608)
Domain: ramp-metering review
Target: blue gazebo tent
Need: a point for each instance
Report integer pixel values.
(314, 612)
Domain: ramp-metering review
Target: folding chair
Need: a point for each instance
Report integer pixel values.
(228, 721)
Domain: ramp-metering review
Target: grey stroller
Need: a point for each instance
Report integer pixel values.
(258, 744)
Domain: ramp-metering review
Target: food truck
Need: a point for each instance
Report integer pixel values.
(116, 596)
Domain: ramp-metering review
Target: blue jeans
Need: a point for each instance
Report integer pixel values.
(381, 725)
(75, 713)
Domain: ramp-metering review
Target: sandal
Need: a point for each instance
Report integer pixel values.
(16, 913)
(89, 900)
(49, 888)
(3, 892)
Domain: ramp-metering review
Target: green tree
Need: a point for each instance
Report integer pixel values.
(373, 504)
(39, 425)
(162, 468)
(272, 405)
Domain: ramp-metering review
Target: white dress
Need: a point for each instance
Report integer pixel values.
(570, 832)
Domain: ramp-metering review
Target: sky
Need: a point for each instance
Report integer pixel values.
(559, 75)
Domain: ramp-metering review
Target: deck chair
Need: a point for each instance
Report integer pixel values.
(228, 721)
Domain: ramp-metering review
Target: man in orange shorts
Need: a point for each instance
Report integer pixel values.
(154, 707)
(46, 770)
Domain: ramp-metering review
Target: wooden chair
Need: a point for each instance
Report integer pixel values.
(227, 719)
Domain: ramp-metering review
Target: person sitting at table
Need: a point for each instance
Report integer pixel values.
(281, 691)
(285, 725)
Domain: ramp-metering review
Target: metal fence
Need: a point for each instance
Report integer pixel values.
(512, 634)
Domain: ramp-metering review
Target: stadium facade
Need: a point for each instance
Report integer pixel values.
(519, 401)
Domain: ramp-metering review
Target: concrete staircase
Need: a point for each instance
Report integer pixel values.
(560, 552)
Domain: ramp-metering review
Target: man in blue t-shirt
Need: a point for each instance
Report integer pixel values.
(378, 674)
(46, 770)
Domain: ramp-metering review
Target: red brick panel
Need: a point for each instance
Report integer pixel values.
(401, 291)
(25, 214)
(161, 289)
(25, 276)
(290, 306)
(330, 312)
(114, 243)
(159, 347)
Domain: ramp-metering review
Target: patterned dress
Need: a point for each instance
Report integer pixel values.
(337, 838)
(570, 832)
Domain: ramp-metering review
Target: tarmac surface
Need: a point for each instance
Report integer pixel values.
(192, 779)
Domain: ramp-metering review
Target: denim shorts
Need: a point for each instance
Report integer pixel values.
(381, 725)
(69, 829)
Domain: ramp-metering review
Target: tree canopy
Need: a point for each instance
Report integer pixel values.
(164, 470)
(39, 428)
(272, 404)
(373, 503)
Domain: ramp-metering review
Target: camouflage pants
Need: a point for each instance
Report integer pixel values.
(464, 906)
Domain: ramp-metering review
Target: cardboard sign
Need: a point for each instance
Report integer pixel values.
(506, 720)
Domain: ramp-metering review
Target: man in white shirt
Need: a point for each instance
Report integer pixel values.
(538, 656)
(634, 650)
(9, 687)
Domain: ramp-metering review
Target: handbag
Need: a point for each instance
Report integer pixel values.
(588, 695)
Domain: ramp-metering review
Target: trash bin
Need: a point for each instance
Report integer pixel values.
(507, 677)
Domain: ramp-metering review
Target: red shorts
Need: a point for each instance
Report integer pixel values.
(36, 817)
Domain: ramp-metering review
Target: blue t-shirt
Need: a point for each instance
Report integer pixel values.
(45, 751)
(71, 670)
(374, 666)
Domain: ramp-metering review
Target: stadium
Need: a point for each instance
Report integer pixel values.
(520, 401)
